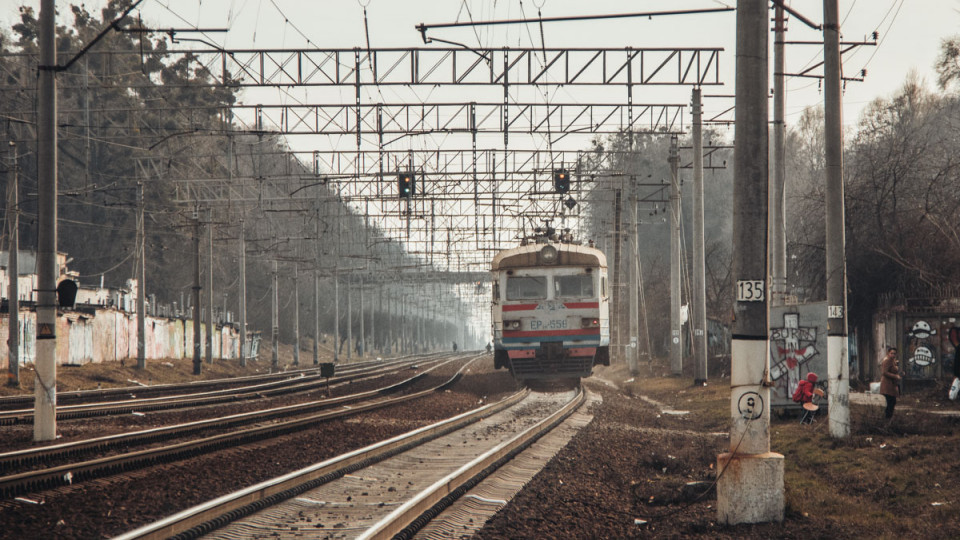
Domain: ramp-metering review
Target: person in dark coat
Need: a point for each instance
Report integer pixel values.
(890, 380)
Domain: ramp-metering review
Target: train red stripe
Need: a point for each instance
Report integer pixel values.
(548, 333)
(520, 307)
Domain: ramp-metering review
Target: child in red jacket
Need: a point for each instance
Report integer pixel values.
(804, 392)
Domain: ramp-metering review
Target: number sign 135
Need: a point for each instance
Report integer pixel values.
(750, 290)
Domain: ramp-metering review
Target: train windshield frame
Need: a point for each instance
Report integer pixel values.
(573, 286)
(526, 288)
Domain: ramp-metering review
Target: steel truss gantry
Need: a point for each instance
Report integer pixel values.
(403, 119)
(443, 66)
(468, 202)
(371, 174)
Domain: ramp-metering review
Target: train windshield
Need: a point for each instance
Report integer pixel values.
(580, 286)
(526, 287)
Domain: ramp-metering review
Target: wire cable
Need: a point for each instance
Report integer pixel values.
(885, 33)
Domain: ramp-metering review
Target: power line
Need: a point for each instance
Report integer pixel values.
(887, 32)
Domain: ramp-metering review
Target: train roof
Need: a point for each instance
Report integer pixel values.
(567, 255)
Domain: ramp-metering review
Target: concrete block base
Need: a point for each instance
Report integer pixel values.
(750, 488)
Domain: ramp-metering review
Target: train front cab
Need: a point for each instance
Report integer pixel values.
(551, 321)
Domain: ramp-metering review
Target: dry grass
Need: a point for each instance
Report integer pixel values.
(887, 480)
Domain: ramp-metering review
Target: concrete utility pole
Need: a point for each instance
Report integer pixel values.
(349, 317)
(363, 343)
(676, 326)
(211, 326)
(642, 298)
(698, 296)
(243, 297)
(336, 288)
(404, 341)
(838, 366)
(141, 283)
(391, 324)
(750, 477)
(336, 312)
(296, 314)
(420, 341)
(316, 294)
(197, 343)
(275, 320)
(373, 319)
(13, 268)
(633, 348)
(616, 308)
(778, 232)
(45, 384)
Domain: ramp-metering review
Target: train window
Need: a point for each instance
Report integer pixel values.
(573, 286)
(526, 287)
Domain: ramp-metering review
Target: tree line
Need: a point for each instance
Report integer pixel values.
(125, 119)
(902, 203)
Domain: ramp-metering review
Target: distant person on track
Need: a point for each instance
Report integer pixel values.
(454, 346)
(890, 380)
(488, 347)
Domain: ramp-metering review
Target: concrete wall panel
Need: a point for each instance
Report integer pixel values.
(110, 335)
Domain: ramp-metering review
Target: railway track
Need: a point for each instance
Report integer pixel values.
(305, 381)
(90, 396)
(391, 488)
(13, 485)
(140, 390)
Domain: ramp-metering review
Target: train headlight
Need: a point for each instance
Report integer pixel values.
(590, 322)
(511, 325)
(548, 255)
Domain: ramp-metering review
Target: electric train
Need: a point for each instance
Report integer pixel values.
(550, 309)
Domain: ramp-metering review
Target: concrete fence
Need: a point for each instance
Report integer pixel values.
(108, 335)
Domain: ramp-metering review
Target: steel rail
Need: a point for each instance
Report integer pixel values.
(214, 514)
(228, 395)
(18, 484)
(102, 394)
(411, 516)
(20, 458)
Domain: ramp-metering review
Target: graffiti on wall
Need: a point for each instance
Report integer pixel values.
(792, 348)
(921, 353)
(111, 335)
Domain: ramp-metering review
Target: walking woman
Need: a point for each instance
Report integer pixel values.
(890, 380)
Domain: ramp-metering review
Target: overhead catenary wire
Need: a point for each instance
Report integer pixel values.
(423, 28)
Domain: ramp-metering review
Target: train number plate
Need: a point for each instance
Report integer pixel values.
(553, 324)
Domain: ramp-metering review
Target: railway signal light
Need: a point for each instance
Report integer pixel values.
(561, 180)
(406, 184)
